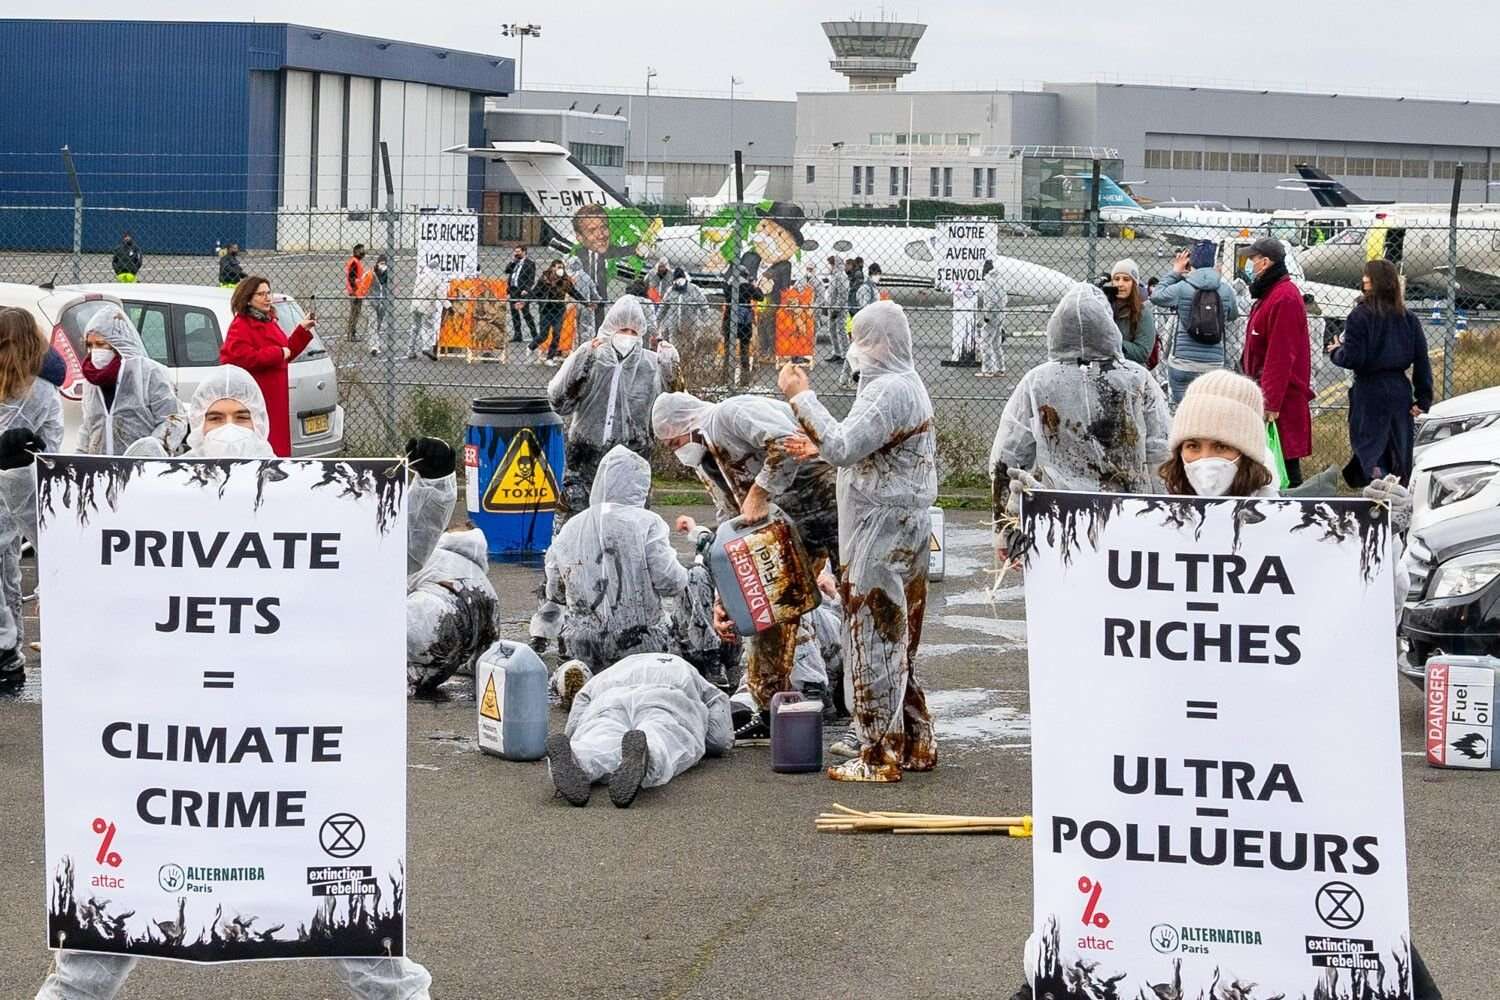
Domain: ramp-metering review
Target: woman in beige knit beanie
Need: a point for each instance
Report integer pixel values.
(1218, 440)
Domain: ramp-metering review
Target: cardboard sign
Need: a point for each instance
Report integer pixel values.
(448, 244)
(961, 247)
(224, 717)
(1216, 761)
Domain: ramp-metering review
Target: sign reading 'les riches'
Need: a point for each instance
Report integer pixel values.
(222, 782)
(1216, 764)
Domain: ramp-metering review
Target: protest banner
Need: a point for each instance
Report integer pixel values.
(224, 706)
(961, 247)
(1216, 763)
(448, 243)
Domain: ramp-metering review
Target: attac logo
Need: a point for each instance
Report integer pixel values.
(489, 705)
(524, 481)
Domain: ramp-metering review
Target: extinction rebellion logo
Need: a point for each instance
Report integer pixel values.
(1169, 939)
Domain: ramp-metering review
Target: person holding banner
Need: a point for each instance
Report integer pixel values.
(886, 454)
(30, 418)
(128, 395)
(227, 419)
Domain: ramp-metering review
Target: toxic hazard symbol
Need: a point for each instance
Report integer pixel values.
(489, 705)
(524, 481)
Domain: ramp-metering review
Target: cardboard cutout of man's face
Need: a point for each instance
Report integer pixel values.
(778, 243)
(593, 231)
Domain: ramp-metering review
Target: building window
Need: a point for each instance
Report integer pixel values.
(1215, 161)
(858, 176)
(1495, 170)
(1443, 169)
(1311, 159)
(1387, 167)
(1244, 163)
(905, 182)
(1332, 164)
(1360, 166)
(880, 138)
(594, 154)
(870, 181)
(1158, 159)
(812, 175)
(895, 181)
(1273, 163)
(932, 182)
(1414, 168)
(947, 182)
(989, 183)
(979, 182)
(1187, 159)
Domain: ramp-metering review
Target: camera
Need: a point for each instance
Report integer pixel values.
(1106, 284)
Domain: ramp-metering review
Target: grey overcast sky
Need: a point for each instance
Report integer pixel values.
(1440, 48)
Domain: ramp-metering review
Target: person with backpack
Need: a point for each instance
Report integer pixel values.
(1204, 304)
(1278, 354)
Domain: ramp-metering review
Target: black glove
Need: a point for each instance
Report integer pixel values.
(18, 447)
(429, 457)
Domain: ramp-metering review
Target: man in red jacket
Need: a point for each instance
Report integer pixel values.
(1277, 352)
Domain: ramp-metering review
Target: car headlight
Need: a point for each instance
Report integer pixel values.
(1453, 483)
(1465, 574)
(1439, 429)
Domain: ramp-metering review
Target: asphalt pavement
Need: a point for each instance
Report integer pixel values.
(716, 887)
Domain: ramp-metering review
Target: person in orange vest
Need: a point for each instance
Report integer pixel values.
(356, 287)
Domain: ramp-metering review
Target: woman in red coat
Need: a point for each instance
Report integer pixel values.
(1277, 353)
(255, 343)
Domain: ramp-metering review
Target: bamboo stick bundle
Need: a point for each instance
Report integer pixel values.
(846, 820)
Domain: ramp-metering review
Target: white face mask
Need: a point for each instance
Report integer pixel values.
(680, 283)
(100, 357)
(874, 279)
(624, 343)
(234, 441)
(691, 454)
(1211, 477)
(856, 358)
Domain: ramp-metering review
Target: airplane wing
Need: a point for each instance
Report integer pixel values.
(1473, 283)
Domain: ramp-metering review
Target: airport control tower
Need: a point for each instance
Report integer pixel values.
(873, 54)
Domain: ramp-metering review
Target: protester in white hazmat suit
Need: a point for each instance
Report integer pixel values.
(227, 419)
(1085, 419)
(429, 292)
(886, 454)
(990, 308)
(642, 722)
(127, 395)
(610, 567)
(605, 389)
(683, 315)
(588, 298)
(30, 421)
(735, 447)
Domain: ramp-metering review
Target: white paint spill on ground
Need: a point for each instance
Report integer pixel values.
(951, 648)
(982, 596)
(970, 552)
(974, 717)
(1012, 630)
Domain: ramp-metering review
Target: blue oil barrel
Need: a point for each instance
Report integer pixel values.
(513, 468)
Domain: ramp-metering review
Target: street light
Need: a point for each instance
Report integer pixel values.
(650, 74)
(838, 172)
(521, 31)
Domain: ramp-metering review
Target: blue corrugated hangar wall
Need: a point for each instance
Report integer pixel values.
(184, 117)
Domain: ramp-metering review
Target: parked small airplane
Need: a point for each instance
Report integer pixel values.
(755, 191)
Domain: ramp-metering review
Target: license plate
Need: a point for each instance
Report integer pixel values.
(315, 425)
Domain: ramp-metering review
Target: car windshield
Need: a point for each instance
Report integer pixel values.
(288, 315)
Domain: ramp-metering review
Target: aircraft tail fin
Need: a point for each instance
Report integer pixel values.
(756, 190)
(1111, 195)
(1328, 192)
(556, 184)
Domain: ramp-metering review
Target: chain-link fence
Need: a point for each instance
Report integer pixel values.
(411, 354)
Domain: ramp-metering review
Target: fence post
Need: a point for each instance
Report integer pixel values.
(1450, 332)
(1093, 223)
(67, 155)
(385, 324)
(734, 273)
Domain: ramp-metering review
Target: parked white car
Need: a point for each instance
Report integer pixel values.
(1456, 475)
(183, 327)
(1471, 411)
